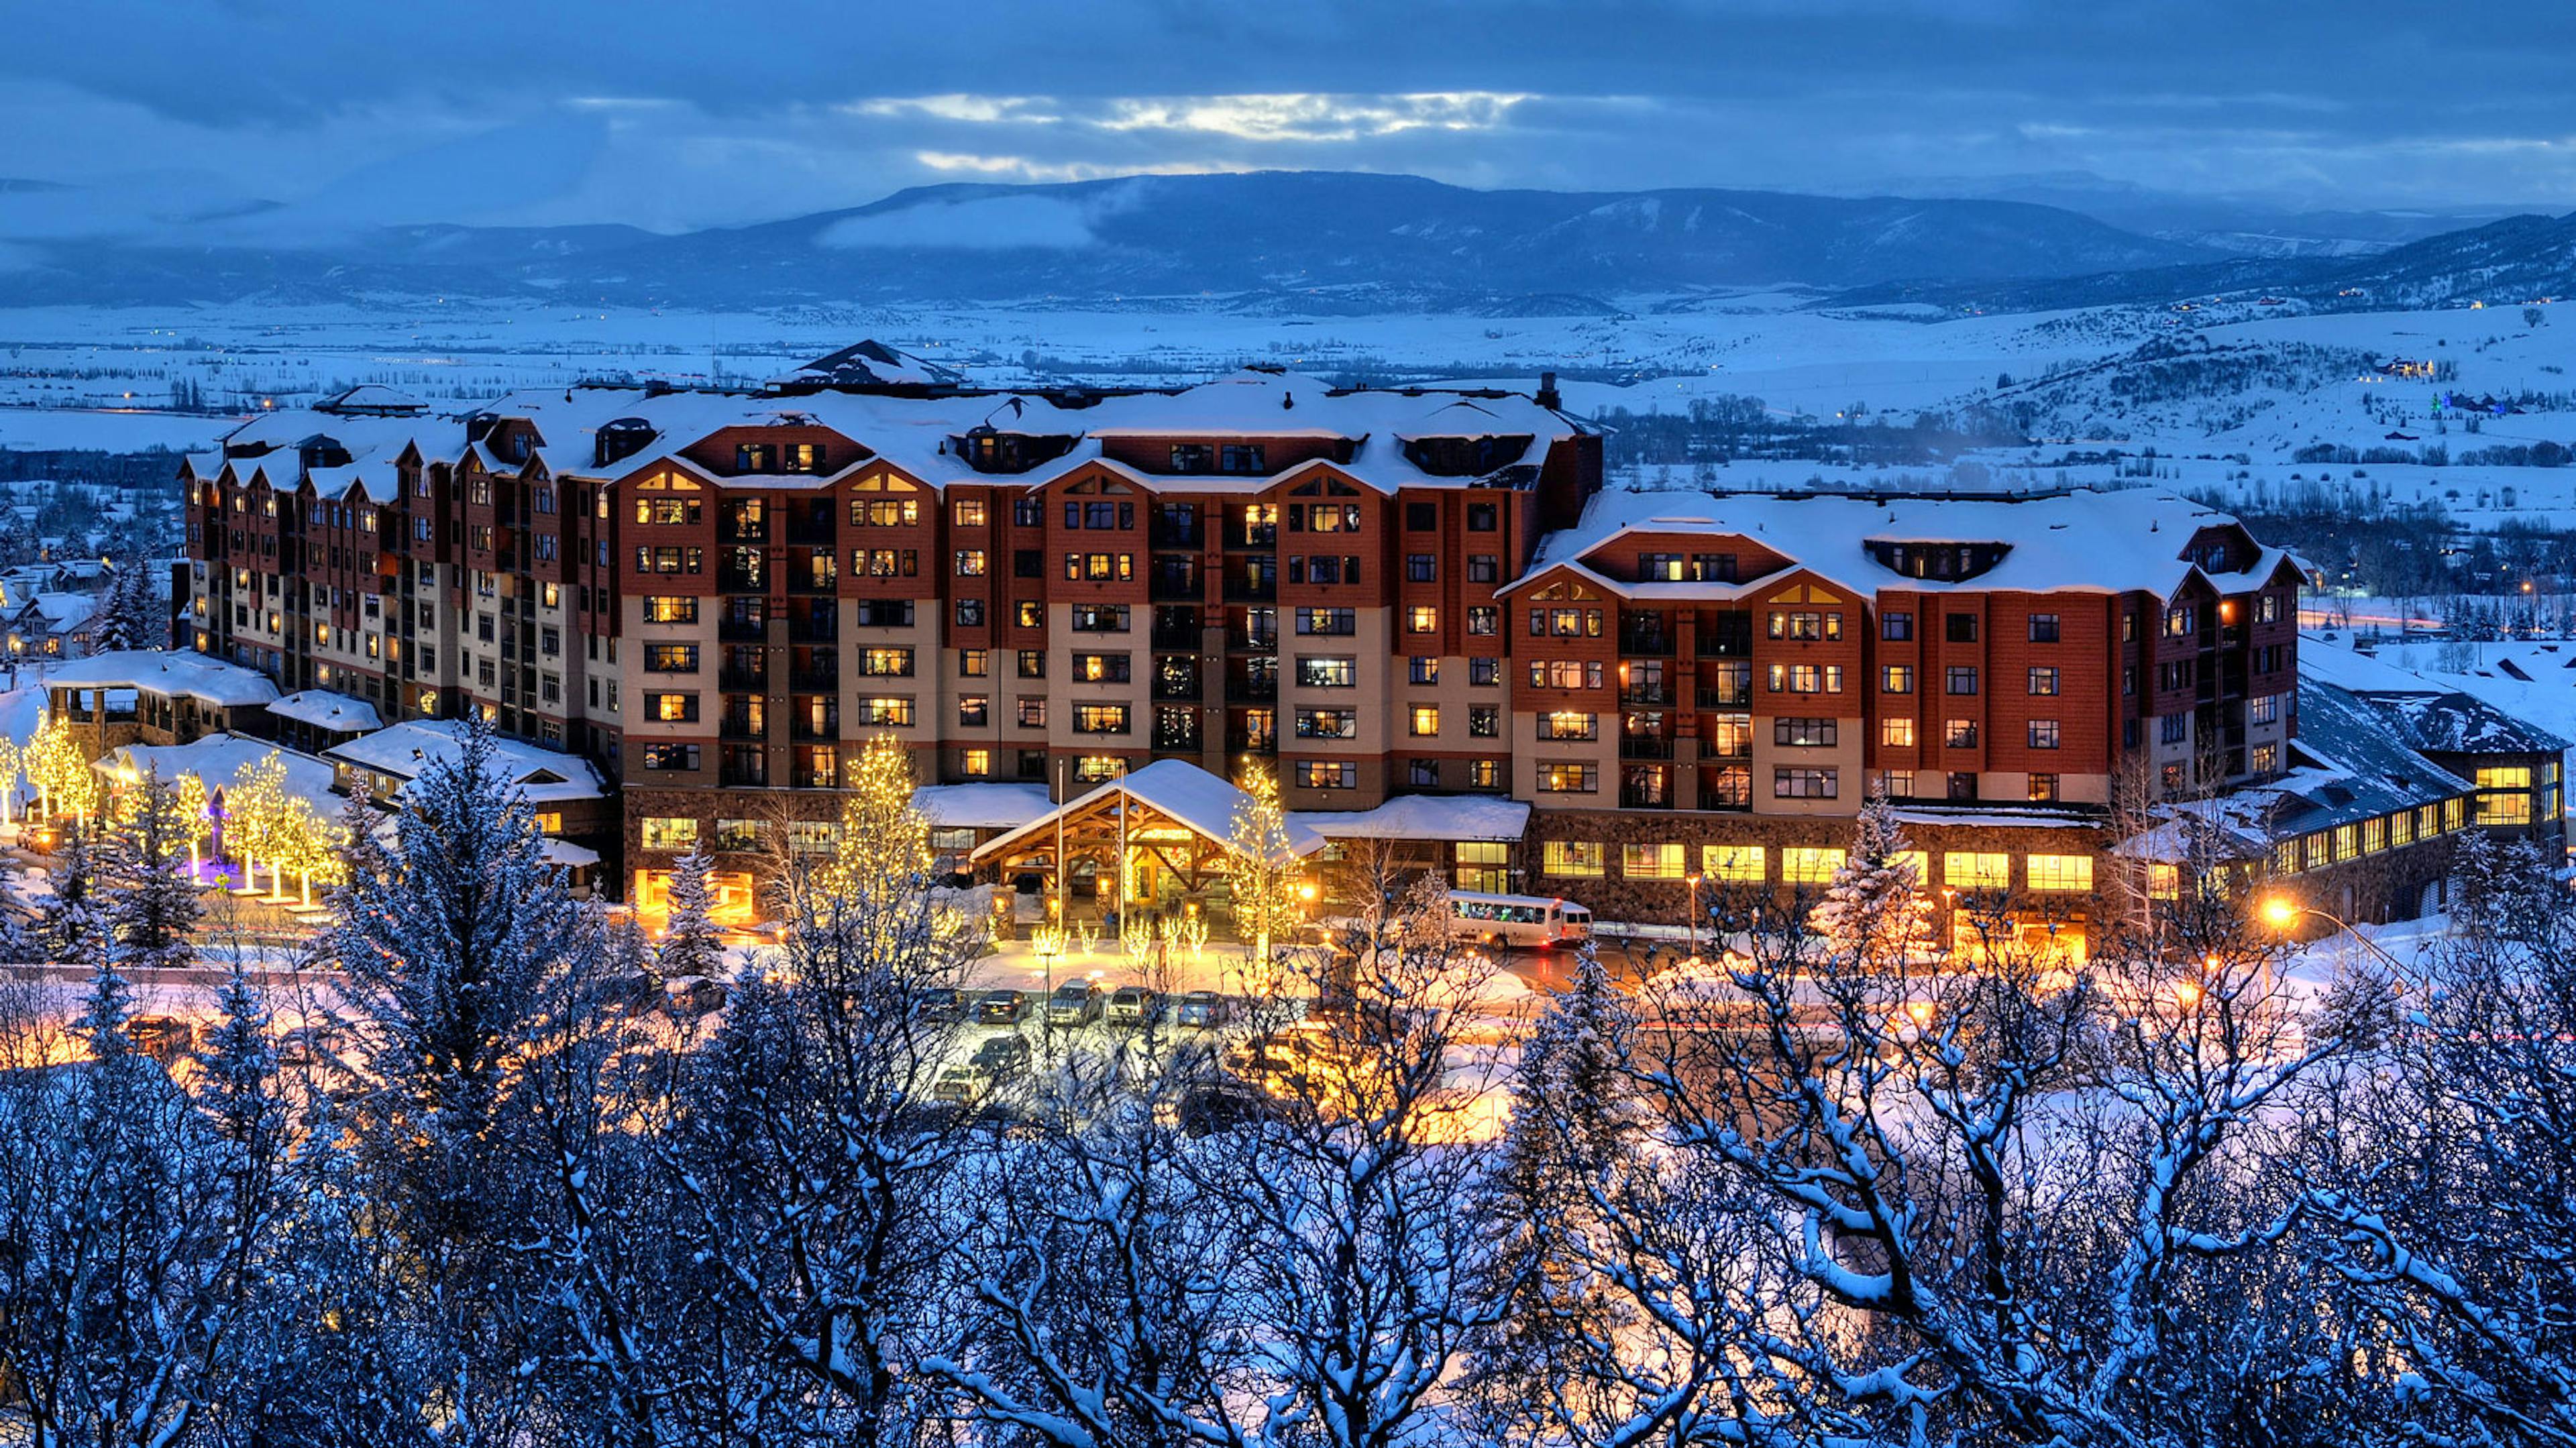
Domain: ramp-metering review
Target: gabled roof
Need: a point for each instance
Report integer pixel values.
(1175, 788)
(910, 433)
(2081, 540)
(410, 749)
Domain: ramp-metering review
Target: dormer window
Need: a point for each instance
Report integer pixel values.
(1189, 457)
(753, 457)
(801, 457)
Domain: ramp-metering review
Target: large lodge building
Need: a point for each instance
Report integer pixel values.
(715, 597)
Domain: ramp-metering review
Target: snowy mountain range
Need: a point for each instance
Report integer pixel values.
(1315, 243)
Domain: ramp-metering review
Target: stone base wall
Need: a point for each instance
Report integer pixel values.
(1614, 897)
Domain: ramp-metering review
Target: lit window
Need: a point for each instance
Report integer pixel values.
(1578, 858)
(2061, 874)
(1976, 870)
(1734, 864)
(665, 832)
(1809, 865)
(1426, 720)
(1651, 862)
(975, 761)
(1422, 619)
(1896, 733)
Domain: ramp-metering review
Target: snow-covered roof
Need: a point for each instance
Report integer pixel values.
(327, 710)
(2079, 540)
(169, 672)
(570, 855)
(2428, 715)
(63, 611)
(408, 750)
(911, 433)
(1175, 788)
(980, 806)
(1422, 817)
(2349, 762)
(222, 759)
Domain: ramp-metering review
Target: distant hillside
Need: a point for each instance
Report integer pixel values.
(1317, 241)
(2512, 260)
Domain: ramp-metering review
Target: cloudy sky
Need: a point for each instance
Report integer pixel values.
(672, 115)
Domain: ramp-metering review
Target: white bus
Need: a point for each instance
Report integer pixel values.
(1529, 922)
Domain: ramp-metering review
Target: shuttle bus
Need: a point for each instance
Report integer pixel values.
(1527, 922)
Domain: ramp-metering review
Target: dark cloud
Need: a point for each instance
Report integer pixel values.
(679, 114)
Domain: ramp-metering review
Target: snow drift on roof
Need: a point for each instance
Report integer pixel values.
(327, 710)
(169, 672)
(1422, 817)
(980, 806)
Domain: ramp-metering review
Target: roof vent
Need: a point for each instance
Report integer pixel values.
(1287, 400)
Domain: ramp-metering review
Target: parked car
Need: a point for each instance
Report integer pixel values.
(943, 1004)
(1204, 1009)
(163, 1038)
(1133, 1005)
(1075, 1003)
(1001, 1055)
(1002, 1008)
(965, 1086)
(1300, 1061)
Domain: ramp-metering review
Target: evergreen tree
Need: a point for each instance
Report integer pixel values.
(693, 946)
(238, 1066)
(449, 948)
(152, 906)
(131, 616)
(1874, 911)
(1574, 1125)
(73, 925)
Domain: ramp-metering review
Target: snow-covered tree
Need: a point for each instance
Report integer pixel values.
(448, 949)
(74, 925)
(1874, 911)
(132, 614)
(151, 904)
(692, 944)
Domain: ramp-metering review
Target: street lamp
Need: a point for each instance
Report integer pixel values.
(2282, 912)
(1693, 880)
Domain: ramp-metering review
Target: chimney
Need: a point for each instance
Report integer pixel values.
(1547, 396)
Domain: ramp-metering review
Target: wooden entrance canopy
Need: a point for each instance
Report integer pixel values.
(1170, 812)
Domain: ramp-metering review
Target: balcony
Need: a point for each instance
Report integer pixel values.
(1177, 741)
(747, 769)
(806, 776)
(742, 530)
(742, 725)
(813, 581)
(822, 680)
(1644, 746)
(816, 726)
(732, 578)
(733, 629)
(1645, 694)
(1639, 795)
(1251, 691)
(1636, 637)
(1240, 590)
(739, 679)
(820, 626)
(1726, 749)
(1738, 695)
(1176, 691)
(811, 526)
